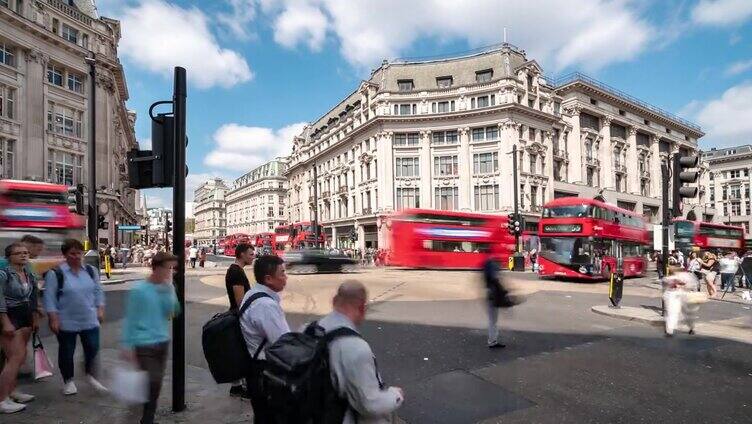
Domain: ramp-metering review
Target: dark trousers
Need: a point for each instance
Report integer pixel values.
(67, 342)
(152, 359)
(261, 413)
(193, 262)
(727, 281)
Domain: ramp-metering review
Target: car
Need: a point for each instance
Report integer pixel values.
(316, 260)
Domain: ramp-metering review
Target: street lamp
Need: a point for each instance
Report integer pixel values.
(92, 150)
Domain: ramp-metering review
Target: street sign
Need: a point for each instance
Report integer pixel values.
(129, 227)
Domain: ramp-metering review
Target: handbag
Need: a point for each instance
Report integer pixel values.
(129, 385)
(42, 365)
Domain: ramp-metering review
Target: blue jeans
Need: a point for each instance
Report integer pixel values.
(67, 342)
(727, 281)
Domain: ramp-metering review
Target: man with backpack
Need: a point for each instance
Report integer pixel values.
(352, 362)
(237, 285)
(262, 323)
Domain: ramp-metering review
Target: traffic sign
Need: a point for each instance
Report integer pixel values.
(129, 227)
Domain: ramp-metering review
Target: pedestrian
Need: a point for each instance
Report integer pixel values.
(33, 244)
(352, 363)
(202, 257)
(680, 259)
(237, 285)
(113, 256)
(74, 301)
(710, 268)
(695, 267)
(677, 309)
(193, 255)
(150, 306)
(660, 266)
(746, 277)
(496, 297)
(18, 318)
(262, 324)
(729, 266)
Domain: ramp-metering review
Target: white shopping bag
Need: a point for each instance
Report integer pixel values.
(129, 384)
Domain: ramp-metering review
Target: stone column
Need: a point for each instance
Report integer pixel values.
(575, 168)
(334, 236)
(509, 140)
(425, 185)
(385, 169)
(361, 236)
(31, 109)
(548, 142)
(655, 167)
(606, 155)
(633, 168)
(465, 165)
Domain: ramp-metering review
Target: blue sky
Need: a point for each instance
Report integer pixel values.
(259, 69)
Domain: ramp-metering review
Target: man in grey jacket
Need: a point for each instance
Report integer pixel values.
(353, 365)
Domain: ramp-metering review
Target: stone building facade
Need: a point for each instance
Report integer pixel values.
(439, 133)
(729, 183)
(256, 202)
(46, 96)
(209, 210)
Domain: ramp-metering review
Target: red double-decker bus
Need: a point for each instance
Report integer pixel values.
(706, 236)
(423, 238)
(303, 235)
(264, 242)
(233, 240)
(579, 238)
(281, 239)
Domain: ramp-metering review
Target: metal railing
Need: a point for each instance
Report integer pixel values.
(457, 55)
(580, 77)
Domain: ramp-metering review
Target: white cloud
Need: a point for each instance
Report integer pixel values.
(238, 19)
(722, 12)
(726, 119)
(241, 148)
(740, 67)
(586, 33)
(158, 36)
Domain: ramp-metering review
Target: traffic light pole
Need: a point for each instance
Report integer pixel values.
(666, 214)
(516, 197)
(91, 218)
(178, 249)
(316, 229)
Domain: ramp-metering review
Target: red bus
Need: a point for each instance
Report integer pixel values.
(264, 241)
(423, 238)
(579, 238)
(303, 234)
(705, 236)
(40, 209)
(233, 240)
(281, 239)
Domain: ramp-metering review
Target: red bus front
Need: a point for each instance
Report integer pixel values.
(424, 238)
(579, 239)
(281, 239)
(39, 209)
(303, 235)
(233, 240)
(705, 236)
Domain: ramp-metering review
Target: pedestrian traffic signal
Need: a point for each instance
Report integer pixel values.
(168, 225)
(101, 223)
(76, 199)
(514, 225)
(680, 176)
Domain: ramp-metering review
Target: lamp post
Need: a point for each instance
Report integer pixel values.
(91, 222)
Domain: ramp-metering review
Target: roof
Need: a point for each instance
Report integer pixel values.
(32, 186)
(714, 153)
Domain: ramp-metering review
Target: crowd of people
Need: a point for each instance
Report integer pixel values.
(722, 269)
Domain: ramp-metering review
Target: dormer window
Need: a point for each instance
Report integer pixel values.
(484, 75)
(444, 82)
(405, 85)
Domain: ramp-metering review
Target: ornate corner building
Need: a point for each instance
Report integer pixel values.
(438, 134)
(210, 212)
(256, 201)
(729, 180)
(46, 97)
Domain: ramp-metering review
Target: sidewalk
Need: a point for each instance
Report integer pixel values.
(206, 401)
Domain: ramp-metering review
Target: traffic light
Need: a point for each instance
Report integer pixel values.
(514, 225)
(101, 223)
(680, 176)
(155, 167)
(76, 199)
(168, 225)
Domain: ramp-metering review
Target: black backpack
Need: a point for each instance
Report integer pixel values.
(61, 278)
(224, 345)
(297, 381)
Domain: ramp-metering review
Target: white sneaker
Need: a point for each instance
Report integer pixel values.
(70, 388)
(9, 407)
(97, 385)
(21, 397)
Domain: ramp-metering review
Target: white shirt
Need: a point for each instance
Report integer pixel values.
(264, 319)
(193, 253)
(694, 265)
(728, 265)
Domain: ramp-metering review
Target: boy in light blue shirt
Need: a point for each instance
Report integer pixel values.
(150, 306)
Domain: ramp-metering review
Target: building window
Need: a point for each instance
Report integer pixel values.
(618, 131)
(484, 76)
(446, 198)
(70, 34)
(64, 120)
(405, 85)
(736, 209)
(594, 102)
(7, 102)
(533, 163)
(618, 182)
(406, 139)
(406, 109)
(589, 121)
(482, 101)
(487, 133)
(645, 189)
(7, 56)
(442, 107)
(748, 208)
(444, 82)
(445, 165)
(487, 197)
(590, 177)
(445, 137)
(735, 192)
(75, 83)
(531, 134)
(408, 167)
(54, 75)
(407, 198)
(64, 168)
(485, 163)
(7, 149)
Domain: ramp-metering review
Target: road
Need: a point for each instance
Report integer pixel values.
(562, 364)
